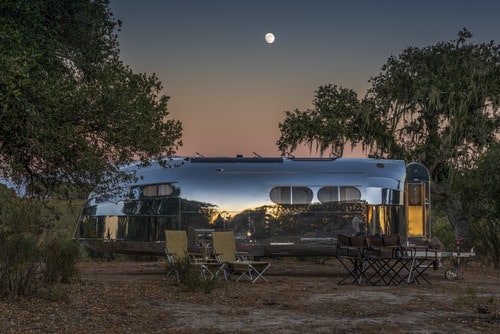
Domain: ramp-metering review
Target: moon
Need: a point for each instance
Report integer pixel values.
(269, 38)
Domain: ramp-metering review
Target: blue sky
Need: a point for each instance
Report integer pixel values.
(230, 88)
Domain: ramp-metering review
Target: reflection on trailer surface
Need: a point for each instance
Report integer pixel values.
(275, 206)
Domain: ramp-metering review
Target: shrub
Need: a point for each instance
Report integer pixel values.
(60, 257)
(191, 278)
(19, 262)
(25, 260)
(442, 229)
(19, 253)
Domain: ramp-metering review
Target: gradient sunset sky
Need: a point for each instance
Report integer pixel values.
(229, 88)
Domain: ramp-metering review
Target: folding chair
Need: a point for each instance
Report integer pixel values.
(176, 251)
(224, 245)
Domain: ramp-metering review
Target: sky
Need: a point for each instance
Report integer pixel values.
(230, 89)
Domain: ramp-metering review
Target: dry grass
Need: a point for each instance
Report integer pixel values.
(132, 297)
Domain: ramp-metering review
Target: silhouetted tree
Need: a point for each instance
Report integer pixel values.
(70, 110)
(437, 105)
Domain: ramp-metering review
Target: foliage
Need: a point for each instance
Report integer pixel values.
(19, 256)
(435, 101)
(331, 124)
(19, 265)
(70, 110)
(437, 105)
(478, 189)
(442, 229)
(191, 278)
(61, 255)
(29, 254)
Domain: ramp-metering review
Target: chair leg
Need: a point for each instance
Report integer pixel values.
(260, 273)
(253, 274)
(420, 267)
(171, 270)
(352, 266)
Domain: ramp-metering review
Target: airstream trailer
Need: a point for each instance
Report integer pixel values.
(274, 206)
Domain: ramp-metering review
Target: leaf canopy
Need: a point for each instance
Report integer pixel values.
(437, 105)
(70, 110)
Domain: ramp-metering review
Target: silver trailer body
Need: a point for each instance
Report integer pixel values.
(275, 206)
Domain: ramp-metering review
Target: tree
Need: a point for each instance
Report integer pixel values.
(437, 105)
(478, 188)
(70, 110)
(330, 125)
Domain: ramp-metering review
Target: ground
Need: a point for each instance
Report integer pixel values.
(301, 296)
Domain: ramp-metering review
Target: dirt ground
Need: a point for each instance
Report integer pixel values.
(300, 297)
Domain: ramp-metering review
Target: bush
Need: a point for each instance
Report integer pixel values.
(485, 233)
(442, 229)
(61, 255)
(19, 256)
(19, 262)
(26, 261)
(191, 278)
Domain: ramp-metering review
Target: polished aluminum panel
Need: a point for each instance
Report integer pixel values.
(235, 193)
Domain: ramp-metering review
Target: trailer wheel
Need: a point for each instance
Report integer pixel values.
(450, 275)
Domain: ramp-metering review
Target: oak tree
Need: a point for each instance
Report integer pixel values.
(70, 110)
(436, 104)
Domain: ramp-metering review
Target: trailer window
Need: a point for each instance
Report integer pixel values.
(301, 195)
(158, 190)
(349, 194)
(338, 194)
(291, 195)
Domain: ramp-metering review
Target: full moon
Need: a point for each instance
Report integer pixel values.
(269, 38)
